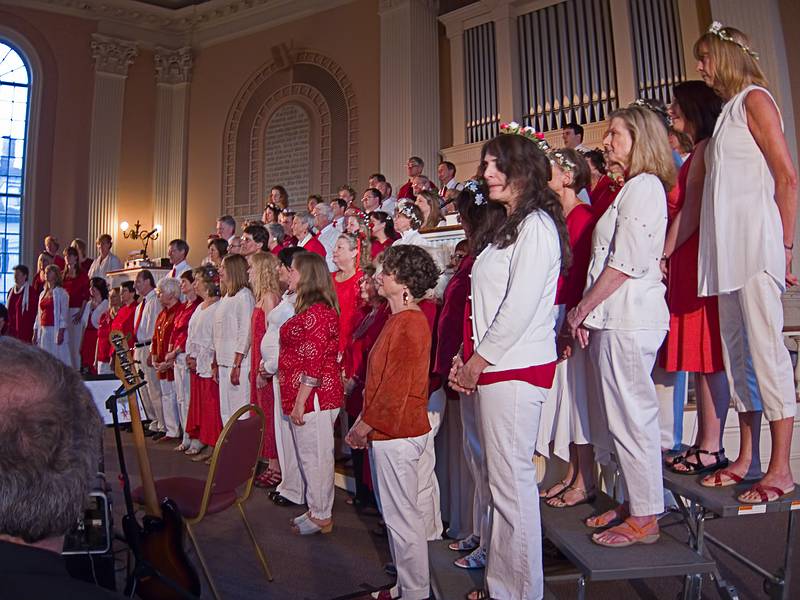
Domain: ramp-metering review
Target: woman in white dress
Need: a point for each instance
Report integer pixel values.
(50, 330)
(625, 309)
(749, 209)
(513, 355)
(232, 336)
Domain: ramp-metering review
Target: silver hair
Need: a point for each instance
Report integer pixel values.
(169, 285)
(50, 443)
(325, 209)
(276, 230)
(305, 217)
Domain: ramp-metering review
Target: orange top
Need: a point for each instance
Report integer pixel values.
(396, 391)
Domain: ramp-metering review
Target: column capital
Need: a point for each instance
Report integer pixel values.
(112, 55)
(173, 65)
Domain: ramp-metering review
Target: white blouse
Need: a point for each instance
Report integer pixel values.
(270, 343)
(199, 340)
(629, 237)
(412, 237)
(231, 330)
(740, 227)
(513, 292)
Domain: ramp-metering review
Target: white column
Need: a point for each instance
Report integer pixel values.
(173, 76)
(112, 59)
(409, 86)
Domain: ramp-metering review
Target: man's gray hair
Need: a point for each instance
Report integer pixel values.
(276, 230)
(306, 218)
(325, 210)
(170, 285)
(50, 434)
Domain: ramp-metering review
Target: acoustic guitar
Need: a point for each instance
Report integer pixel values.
(159, 539)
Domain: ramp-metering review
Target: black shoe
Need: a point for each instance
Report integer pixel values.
(281, 501)
(149, 433)
(390, 569)
(158, 435)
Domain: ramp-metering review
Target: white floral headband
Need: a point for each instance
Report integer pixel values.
(477, 196)
(721, 32)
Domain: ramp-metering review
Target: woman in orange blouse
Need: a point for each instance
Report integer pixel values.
(311, 384)
(394, 419)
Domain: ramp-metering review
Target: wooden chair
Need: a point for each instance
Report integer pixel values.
(233, 465)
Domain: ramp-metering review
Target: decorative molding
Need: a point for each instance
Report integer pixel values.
(112, 55)
(173, 66)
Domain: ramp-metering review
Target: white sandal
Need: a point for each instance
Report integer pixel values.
(309, 527)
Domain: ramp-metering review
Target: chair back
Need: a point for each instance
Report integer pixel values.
(235, 457)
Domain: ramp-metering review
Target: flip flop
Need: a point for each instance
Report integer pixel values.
(563, 483)
(715, 480)
(763, 492)
(595, 522)
(631, 534)
(586, 496)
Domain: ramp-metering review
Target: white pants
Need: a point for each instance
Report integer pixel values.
(75, 336)
(623, 365)
(291, 486)
(182, 392)
(47, 339)
(671, 392)
(314, 443)
(395, 473)
(152, 398)
(473, 452)
(429, 497)
(509, 420)
(169, 407)
(233, 397)
(751, 325)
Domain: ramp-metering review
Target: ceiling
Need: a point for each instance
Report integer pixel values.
(173, 4)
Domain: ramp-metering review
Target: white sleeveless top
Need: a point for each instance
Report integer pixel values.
(740, 227)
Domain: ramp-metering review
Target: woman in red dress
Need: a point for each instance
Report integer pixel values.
(263, 275)
(96, 309)
(381, 226)
(693, 342)
(108, 323)
(349, 257)
(76, 284)
(311, 384)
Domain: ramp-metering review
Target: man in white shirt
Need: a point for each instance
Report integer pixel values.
(446, 171)
(226, 228)
(337, 206)
(144, 324)
(178, 249)
(389, 203)
(328, 232)
(371, 200)
(105, 261)
(573, 137)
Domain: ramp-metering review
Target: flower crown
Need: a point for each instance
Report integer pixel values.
(721, 32)
(272, 206)
(526, 131)
(407, 210)
(656, 107)
(529, 132)
(474, 186)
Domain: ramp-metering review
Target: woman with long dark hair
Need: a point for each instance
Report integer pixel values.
(510, 360)
(381, 227)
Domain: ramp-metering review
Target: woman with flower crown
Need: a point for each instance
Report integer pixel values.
(407, 222)
(510, 357)
(749, 209)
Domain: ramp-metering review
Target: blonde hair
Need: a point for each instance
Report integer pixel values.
(651, 152)
(59, 275)
(236, 274)
(363, 253)
(315, 285)
(734, 67)
(264, 275)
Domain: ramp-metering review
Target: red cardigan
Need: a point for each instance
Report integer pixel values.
(309, 345)
(451, 318)
(356, 353)
(314, 245)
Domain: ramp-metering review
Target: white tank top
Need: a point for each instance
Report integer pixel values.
(740, 227)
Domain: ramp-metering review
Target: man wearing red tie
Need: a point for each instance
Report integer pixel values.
(178, 249)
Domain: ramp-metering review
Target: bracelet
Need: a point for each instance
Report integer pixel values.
(790, 247)
(309, 381)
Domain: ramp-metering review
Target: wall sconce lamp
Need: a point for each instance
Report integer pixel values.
(137, 233)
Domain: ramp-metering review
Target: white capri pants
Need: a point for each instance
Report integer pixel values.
(429, 497)
(314, 443)
(152, 397)
(395, 472)
(182, 393)
(623, 362)
(751, 326)
(509, 423)
(291, 486)
(473, 453)
(233, 397)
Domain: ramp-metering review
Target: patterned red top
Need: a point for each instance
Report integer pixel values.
(165, 323)
(180, 330)
(309, 344)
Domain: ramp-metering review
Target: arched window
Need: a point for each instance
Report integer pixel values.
(15, 86)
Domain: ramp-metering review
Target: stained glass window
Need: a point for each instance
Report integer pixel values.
(14, 101)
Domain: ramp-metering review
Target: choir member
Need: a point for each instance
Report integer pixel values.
(430, 206)
(510, 356)
(177, 251)
(301, 230)
(407, 222)
(624, 309)
(50, 330)
(203, 422)
(279, 197)
(255, 238)
(168, 291)
(97, 306)
(394, 421)
(111, 321)
(263, 276)
(21, 303)
(277, 238)
(177, 353)
(144, 323)
(40, 279)
(271, 213)
(83, 260)
(232, 336)
(349, 257)
(105, 261)
(76, 284)
(381, 226)
(217, 249)
(749, 206)
(286, 220)
(311, 385)
(51, 246)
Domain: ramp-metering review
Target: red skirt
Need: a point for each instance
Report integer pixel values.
(89, 349)
(205, 394)
(264, 398)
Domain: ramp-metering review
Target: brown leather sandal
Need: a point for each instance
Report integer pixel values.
(631, 534)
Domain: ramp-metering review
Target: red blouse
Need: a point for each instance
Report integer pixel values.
(104, 328)
(451, 318)
(47, 312)
(309, 345)
(378, 247)
(77, 288)
(580, 225)
(349, 307)
(165, 323)
(603, 195)
(315, 246)
(180, 330)
(123, 321)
